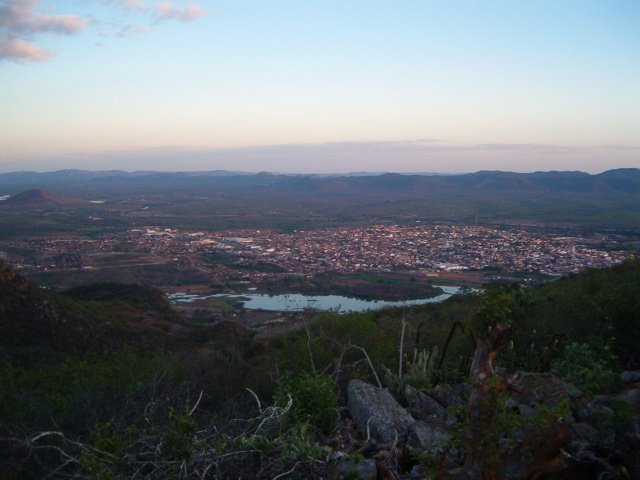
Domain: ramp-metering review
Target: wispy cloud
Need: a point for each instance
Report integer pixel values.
(19, 17)
(169, 11)
(129, 4)
(19, 23)
(526, 147)
(130, 29)
(20, 51)
(620, 147)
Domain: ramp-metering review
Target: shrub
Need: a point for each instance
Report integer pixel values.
(589, 371)
(314, 400)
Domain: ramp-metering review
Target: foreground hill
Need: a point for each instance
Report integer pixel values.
(36, 324)
(456, 402)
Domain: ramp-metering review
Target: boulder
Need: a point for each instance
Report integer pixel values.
(432, 438)
(422, 406)
(542, 388)
(447, 396)
(630, 376)
(376, 407)
(594, 409)
(387, 420)
(604, 435)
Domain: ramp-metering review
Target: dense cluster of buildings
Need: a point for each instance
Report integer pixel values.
(419, 247)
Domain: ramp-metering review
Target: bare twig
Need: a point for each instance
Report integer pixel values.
(273, 413)
(47, 434)
(313, 365)
(196, 405)
(373, 370)
(338, 365)
(369, 429)
(257, 399)
(286, 473)
(404, 326)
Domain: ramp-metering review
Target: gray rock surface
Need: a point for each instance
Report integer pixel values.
(422, 406)
(630, 376)
(432, 438)
(378, 408)
(542, 388)
(387, 418)
(446, 396)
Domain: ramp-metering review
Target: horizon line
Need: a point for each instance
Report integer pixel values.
(294, 173)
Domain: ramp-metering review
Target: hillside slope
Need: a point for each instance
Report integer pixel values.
(39, 197)
(36, 323)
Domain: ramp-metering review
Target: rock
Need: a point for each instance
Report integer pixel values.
(507, 446)
(463, 390)
(511, 404)
(387, 418)
(410, 395)
(447, 397)
(351, 470)
(594, 408)
(428, 438)
(542, 388)
(630, 376)
(582, 434)
(422, 406)
(378, 408)
(418, 471)
(453, 459)
(526, 410)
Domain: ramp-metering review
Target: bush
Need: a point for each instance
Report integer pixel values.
(588, 371)
(314, 400)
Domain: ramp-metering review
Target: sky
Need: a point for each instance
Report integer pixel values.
(320, 86)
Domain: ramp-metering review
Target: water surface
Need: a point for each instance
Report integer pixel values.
(295, 302)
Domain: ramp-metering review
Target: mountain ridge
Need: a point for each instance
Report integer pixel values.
(609, 199)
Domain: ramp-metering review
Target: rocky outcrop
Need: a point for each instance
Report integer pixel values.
(422, 406)
(376, 411)
(553, 428)
(451, 396)
(541, 389)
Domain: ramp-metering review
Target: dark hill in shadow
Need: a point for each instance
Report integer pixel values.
(37, 323)
(38, 197)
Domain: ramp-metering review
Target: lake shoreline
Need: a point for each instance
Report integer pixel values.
(297, 302)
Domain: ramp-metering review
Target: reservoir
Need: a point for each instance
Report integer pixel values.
(294, 302)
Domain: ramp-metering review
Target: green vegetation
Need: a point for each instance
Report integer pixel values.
(314, 400)
(207, 202)
(138, 295)
(367, 286)
(589, 371)
(121, 382)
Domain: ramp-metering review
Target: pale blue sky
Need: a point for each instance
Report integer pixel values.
(318, 86)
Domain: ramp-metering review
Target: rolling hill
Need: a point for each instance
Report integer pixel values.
(39, 197)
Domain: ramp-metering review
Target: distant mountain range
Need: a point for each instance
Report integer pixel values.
(610, 199)
(623, 179)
